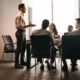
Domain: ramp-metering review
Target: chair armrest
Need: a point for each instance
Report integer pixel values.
(51, 47)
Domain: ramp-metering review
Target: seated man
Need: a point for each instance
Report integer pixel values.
(76, 32)
(43, 31)
(70, 28)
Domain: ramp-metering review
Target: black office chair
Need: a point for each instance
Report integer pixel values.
(8, 45)
(41, 47)
(70, 47)
(65, 33)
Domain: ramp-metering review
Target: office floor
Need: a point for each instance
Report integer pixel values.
(8, 72)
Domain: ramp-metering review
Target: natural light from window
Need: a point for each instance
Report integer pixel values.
(64, 13)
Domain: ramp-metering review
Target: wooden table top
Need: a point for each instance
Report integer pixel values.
(57, 41)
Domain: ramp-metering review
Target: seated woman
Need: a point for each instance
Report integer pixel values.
(54, 32)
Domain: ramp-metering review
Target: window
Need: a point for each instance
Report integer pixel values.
(41, 10)
(64, 13)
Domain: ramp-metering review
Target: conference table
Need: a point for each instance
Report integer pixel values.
(28, 56)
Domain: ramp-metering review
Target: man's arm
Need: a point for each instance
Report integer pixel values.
(21, 25)
(30, 25)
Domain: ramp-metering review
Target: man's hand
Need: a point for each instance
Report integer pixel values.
(30, 24)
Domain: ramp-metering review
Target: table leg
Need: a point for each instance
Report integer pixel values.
(28, 56)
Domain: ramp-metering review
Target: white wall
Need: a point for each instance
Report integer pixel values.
(8, 11)
(41, 9)
(79, 6)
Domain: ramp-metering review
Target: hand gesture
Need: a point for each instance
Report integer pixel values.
(30, 24)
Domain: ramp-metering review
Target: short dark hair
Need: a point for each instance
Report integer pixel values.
(45, 23)
(21, 6)
(78, 20)
(70, 26)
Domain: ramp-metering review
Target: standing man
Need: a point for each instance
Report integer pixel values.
(21, 36)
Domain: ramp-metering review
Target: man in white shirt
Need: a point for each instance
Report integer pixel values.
(21, 36)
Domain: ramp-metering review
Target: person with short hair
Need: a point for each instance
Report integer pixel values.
(70, 29)
(43, 31)
(76, 32)
(21, 36)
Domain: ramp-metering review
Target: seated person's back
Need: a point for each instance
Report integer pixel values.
(43, 31)
(72, 33)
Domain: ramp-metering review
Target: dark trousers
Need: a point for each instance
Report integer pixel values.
(52, 58)
(73, 61)
(40, 59)
(21, 46)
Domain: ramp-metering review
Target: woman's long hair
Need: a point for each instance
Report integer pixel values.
(54, 29)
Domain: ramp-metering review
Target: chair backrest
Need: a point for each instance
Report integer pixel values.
(8, 42)
(71, 46)
(40, 45)
(65, 33)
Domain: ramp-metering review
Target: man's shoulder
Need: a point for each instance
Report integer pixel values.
(35, 31)
(73, 32)
(18, 15)
(41, 32)
(48, 32)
